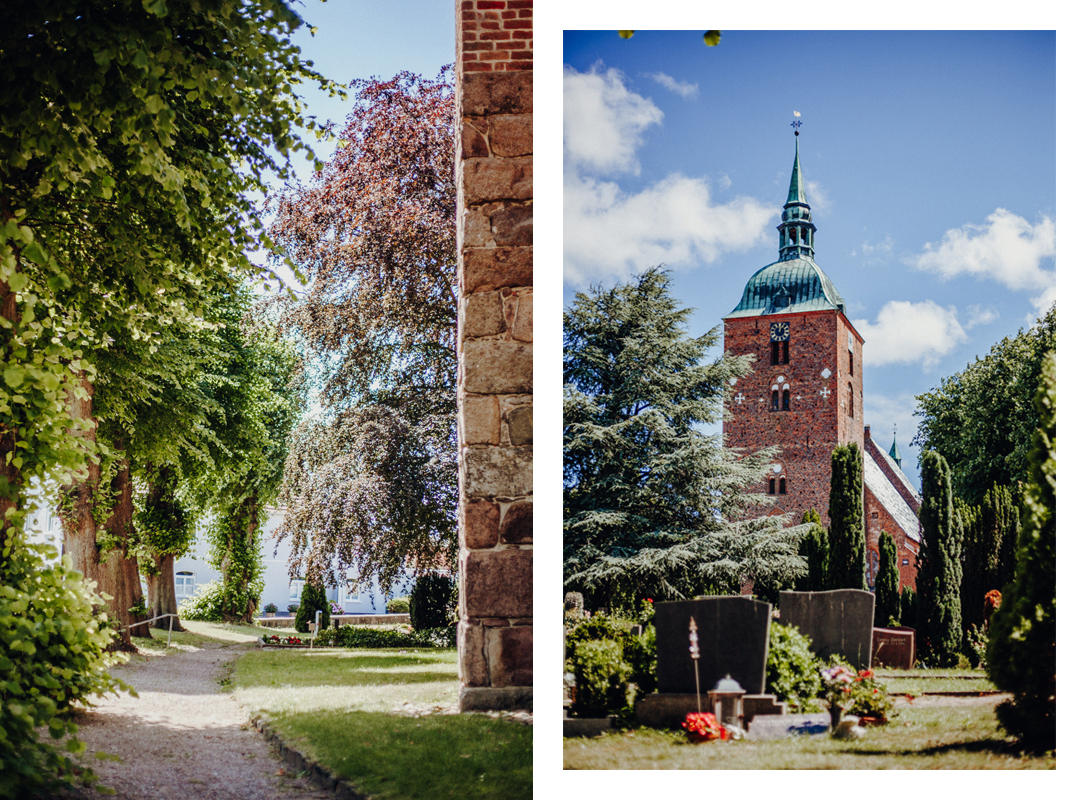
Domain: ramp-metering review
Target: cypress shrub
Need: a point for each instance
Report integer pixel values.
(939, 574)
(313, 600)
(846, 538)
(1021, 650)
(887, 599)
(792, 671)
(815, 547)
(602, 677)
(433, 602)
(909, 613)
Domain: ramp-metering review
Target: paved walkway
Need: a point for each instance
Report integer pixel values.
(184, 738)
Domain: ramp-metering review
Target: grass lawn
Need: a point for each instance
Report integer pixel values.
(917, 682)
(932, 737)
(351, 710)
(196, 635)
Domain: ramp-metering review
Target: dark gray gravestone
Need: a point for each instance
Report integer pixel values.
(733, 636)
(839, 622)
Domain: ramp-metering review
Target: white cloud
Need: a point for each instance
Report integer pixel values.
(980, 316)
(883, 248)
(726, 181)
(816, 196)
(609, 233)
(688, 91)
(883, 413)
(603, 121)
(909, 332)
(1008, 249)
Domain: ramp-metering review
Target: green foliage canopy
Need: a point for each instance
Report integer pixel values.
(939, 568)
(653, 506)
(982, 419)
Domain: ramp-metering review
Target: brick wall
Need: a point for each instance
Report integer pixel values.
(818, 419)
(494, 390)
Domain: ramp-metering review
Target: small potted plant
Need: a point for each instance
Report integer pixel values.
(270, 609)
(292, 608)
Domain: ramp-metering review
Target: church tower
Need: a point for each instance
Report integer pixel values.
(805, 391)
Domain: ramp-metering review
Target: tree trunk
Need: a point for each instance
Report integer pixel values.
(161, 593)
(115, 574)
(244, 518)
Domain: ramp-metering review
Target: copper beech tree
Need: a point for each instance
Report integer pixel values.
(370, 483)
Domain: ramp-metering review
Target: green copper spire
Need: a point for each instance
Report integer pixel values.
(796, 229)
(893, 450)
(795, 191)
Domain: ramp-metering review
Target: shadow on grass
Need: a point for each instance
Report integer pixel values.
(418, 758)
(999, 747)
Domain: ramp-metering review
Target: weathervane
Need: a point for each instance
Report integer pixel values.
(796, 123)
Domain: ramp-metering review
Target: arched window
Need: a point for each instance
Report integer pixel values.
(803, 235)
(772, 485)
(774, 400)
(792, 235)
(851, 403)
(784, 485)
(785, 402)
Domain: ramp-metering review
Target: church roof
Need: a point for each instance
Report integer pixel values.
(876, 482)
(806, 288)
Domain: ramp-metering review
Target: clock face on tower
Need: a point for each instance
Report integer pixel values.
(778, 331)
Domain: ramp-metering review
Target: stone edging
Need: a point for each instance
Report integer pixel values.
(321, 776)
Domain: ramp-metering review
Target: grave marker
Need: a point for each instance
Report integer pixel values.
(838, 622)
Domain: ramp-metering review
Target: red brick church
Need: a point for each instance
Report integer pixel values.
(805, 391)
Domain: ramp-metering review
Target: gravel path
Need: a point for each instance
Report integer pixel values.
(184, 738)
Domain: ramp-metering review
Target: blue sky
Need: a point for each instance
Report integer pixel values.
(929, 160)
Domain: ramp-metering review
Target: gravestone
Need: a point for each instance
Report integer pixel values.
(733, 637)
(839, 622)
(894, 647)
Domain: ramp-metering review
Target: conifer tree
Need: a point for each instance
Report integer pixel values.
(1022, 635)
(846, 537)
(887, 598)
(815, 547)
(313, 599)
(939, 574)
(654, 507)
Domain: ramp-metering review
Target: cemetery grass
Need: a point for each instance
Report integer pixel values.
(932, 737)
(197, 635)
(367, 715)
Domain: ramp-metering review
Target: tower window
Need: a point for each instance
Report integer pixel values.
(772, 485)
(774, 352)
(785, 398)
(774, 400)
(784, 486)
(851, 404)
(803, 235)
(784, 352)
(792, 235)
(850, 363)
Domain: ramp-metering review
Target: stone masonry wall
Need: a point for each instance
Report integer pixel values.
(494, 390)
(817, 420)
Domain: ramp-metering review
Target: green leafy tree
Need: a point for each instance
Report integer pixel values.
(982, 419)
(939, 569)
(1021, 649)
(654, 507)
(846, 536)
(371, 483)
(815, 547)
(129, 144)
(887, 597)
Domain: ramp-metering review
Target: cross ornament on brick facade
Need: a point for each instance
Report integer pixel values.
(825, 392)
(739, 398)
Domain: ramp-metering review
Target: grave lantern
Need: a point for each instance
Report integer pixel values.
(727, 700)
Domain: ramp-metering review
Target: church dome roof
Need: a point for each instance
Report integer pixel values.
(789, 287)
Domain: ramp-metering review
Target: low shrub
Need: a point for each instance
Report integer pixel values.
(870, 697)
(792, 670)
(433, 602)
(205, 605)
(398, 605)
(292, 608)
(53, 653)
(602, 677)
(378, 636)
(271, 608)
(640, 653)
(596, 628)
